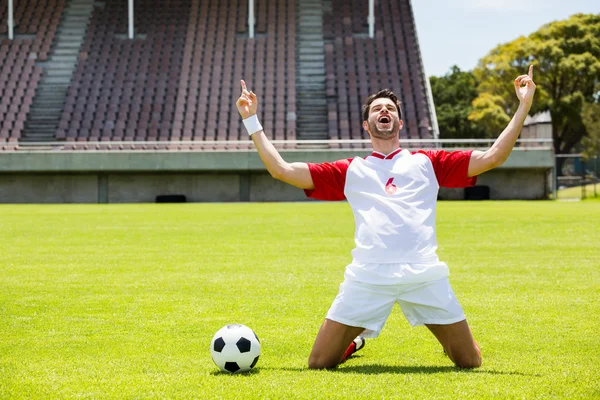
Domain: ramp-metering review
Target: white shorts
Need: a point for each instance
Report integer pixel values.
(368, 306)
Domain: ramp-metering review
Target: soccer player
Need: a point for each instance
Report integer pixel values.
(392, 193)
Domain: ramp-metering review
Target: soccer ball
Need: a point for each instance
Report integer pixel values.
(235, 348)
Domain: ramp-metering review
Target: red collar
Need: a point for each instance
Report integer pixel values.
(384, 157)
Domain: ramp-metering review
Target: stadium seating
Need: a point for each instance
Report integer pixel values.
(35, 25)
(179, 79)
(357, 66)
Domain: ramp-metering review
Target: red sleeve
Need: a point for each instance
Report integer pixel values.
(451, 167)
(329, 180)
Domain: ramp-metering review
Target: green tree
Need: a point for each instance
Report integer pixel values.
(591, 120)
(566, 56)
(452, 96)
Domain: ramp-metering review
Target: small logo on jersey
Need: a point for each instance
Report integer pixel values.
(390, 188)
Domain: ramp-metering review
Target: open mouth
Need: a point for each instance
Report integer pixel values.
(384, 120)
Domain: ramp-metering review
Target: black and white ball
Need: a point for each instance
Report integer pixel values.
(235, 348)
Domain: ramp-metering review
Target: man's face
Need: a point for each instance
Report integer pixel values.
(384, 121)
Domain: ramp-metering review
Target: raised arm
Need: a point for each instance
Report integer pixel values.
(496, 155)
(296, 174)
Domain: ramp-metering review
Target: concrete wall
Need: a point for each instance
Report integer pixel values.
(209, 177)
(143, 188)
(509, 184)
(217, 187)
(48, 188)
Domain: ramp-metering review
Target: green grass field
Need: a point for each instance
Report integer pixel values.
(121, 301)
(576, 192)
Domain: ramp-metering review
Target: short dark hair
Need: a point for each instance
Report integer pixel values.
(385, 93)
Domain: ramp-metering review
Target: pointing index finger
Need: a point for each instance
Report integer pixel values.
(243, 85)
(530, 71)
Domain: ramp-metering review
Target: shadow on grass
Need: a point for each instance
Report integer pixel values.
(253, 371)
(375, 369)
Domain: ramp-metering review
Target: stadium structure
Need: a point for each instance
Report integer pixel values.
(114, 101)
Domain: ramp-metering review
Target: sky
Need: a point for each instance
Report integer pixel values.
(460, 32)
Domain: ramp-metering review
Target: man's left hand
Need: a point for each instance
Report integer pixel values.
(525, 87)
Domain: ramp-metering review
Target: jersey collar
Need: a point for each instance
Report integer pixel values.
(384, 157)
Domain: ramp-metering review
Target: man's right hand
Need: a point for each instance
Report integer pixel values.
(247, 104)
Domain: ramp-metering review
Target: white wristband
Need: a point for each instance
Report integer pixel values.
(252, 125)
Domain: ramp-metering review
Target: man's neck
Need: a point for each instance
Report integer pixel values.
(385, 146)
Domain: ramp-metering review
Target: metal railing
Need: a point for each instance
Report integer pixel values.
(248, 145)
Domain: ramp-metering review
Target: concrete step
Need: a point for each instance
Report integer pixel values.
(48, 107)
(311, 36)
(53, 89)
(56, 100)
(310, 91)
(78, 13)
(46, 94)
(310, 77)
(41, 117)
(307, 68)
(320, 136)
(73, 30)
(310, 50)
(69, 51)
(39, 137)
(52, 67)
(303, 58)
(81, 4)
(311, 25)
(45, 136)
(77, 16)
(310, 19)
(312, 69)
(38, 126)
(53, 96)
(311, 47)
(316, 88)
(40, 134)
(313, 133)
(69, 44)
(41, 125)
(57, 79)
(313, 119)
(315, 105)
(318, 108)
(70, 34)
(43, 148)
(307, 94)
(46, 111)
(65, 37)
(63, 58)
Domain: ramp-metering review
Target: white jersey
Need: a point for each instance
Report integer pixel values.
(393, 199)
